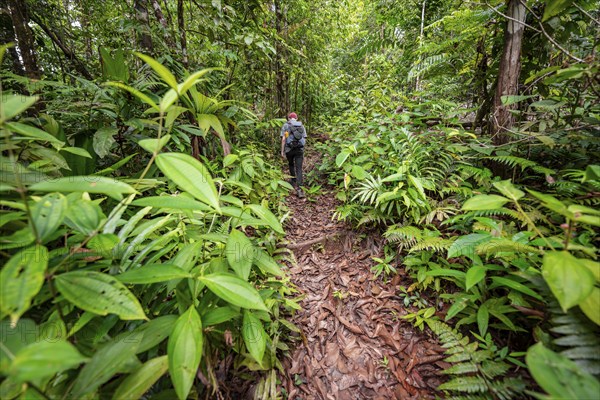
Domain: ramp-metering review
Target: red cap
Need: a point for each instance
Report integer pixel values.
(292, 115)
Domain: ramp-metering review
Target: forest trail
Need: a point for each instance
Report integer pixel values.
(354, 344)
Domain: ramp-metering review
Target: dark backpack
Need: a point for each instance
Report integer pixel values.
(296, 133)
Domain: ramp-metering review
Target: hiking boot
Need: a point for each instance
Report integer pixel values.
(300, 193)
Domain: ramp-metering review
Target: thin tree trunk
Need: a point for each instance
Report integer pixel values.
(422, 31)
(141, 15)
(508, 72)
(7, 35)
(85, 14)
(158, 13)
(182, 36)
(20, 18)
(280, 73)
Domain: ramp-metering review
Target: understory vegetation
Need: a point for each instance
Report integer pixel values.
(143, 207)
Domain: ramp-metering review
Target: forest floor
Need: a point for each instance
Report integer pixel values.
(354, 343)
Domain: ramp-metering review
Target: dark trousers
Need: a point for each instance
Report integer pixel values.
(295, 158)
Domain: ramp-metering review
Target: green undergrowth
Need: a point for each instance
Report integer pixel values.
(512, 262)
(138, 277)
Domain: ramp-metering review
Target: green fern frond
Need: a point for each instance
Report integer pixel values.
(404, 234)
(476, 373)
(436, 244)
(514, 161)
(468, 384)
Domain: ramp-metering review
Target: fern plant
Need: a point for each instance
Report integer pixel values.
(476, 373)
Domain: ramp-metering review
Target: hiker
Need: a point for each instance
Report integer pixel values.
(293, 139)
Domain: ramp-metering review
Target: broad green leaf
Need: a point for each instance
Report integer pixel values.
(207, 121)
(457, 307)
(592, 265)
(419, 185)
(85, 318)
(509, 190)
(507, 282)
(154, 145)
(192, 80)
(254, 336)
(78, 151)
(341, 158)
(240, 253)
(33, 132)
(555, 7)
(484, 202)
(153, 273)
(13, 339)
(571, 282)
(447, 272)
(359, 172)
(44, 359)
(465, 245)
(234, 290)
(168, 99)
(559, 376)
(116, 165)
(15, 104)
(552, 203)
(474, 275)
(151, 333)
(266, 263)
(103, 244)
(104, 139)
(591, 304)
(219, 315)
(185, 351)
(47, 215)
(160, 69)
(84, 216)
(90, 184)
(267, 216)
(99, 293)
(190, 175)
(230, 159)
(143, 97)
(21, 279)
(592, 173)
(483, 318)
(139, 382)
(105, 363)
(176, 202)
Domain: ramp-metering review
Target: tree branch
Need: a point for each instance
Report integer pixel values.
(75, 61)
(554, 42)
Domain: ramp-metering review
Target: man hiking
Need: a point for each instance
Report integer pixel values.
(293, 139)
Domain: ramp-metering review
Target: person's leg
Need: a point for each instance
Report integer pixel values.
(290, 157)
(298, 164)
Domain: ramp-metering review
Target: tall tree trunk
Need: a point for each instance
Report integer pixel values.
(163, 22)
(508, 71)
(280, 73)
(7, 35)
(141, 15)
(421, 32)
(182, 36)
(20, 18)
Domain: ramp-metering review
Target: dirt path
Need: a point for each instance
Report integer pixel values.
(354, 344)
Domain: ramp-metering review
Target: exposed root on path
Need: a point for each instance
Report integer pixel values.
(355, 346)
